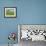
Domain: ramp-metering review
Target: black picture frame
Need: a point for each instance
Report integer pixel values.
(11, 16)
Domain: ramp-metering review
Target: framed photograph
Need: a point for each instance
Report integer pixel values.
(10, 12)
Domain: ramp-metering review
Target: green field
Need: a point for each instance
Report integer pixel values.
(9, 12)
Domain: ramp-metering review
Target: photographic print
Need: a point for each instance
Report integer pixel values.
(10, 12)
